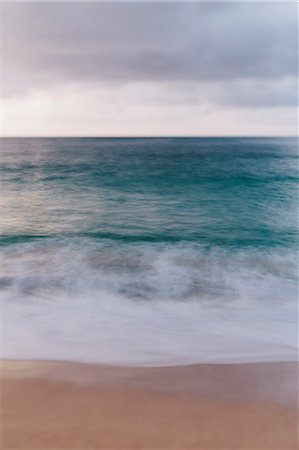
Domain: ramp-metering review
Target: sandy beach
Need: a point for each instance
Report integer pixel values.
(57, 405)
(149, 225)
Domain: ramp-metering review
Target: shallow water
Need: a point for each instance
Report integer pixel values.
(149, 251)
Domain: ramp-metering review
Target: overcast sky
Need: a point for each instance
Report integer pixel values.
(149, 69)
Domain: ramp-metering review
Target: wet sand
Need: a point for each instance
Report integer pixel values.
(57, 405)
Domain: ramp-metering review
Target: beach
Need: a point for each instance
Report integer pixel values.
(149, 225)
(149, 293)
(59, 405)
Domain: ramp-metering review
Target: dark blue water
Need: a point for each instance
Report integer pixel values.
(149, 250)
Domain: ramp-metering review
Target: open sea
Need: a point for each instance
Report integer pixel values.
(149, 251)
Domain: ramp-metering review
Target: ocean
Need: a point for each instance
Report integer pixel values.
(149, 251)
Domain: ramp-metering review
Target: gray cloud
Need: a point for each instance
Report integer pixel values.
(147, 68)
(124, 42)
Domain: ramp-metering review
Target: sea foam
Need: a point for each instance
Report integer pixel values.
(146, 304)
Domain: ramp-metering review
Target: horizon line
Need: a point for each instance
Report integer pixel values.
(148, 137)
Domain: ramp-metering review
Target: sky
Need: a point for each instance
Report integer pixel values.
(149, 69)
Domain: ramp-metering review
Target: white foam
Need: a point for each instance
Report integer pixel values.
(147, 305)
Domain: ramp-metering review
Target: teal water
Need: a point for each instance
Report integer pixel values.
(149, 251)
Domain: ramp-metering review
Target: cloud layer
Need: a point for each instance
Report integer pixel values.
(156, 59)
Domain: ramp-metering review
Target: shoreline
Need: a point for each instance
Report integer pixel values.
(65, 405)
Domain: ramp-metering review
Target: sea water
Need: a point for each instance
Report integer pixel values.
(149, 251)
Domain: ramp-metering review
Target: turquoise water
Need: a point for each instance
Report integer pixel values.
(149, 251)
